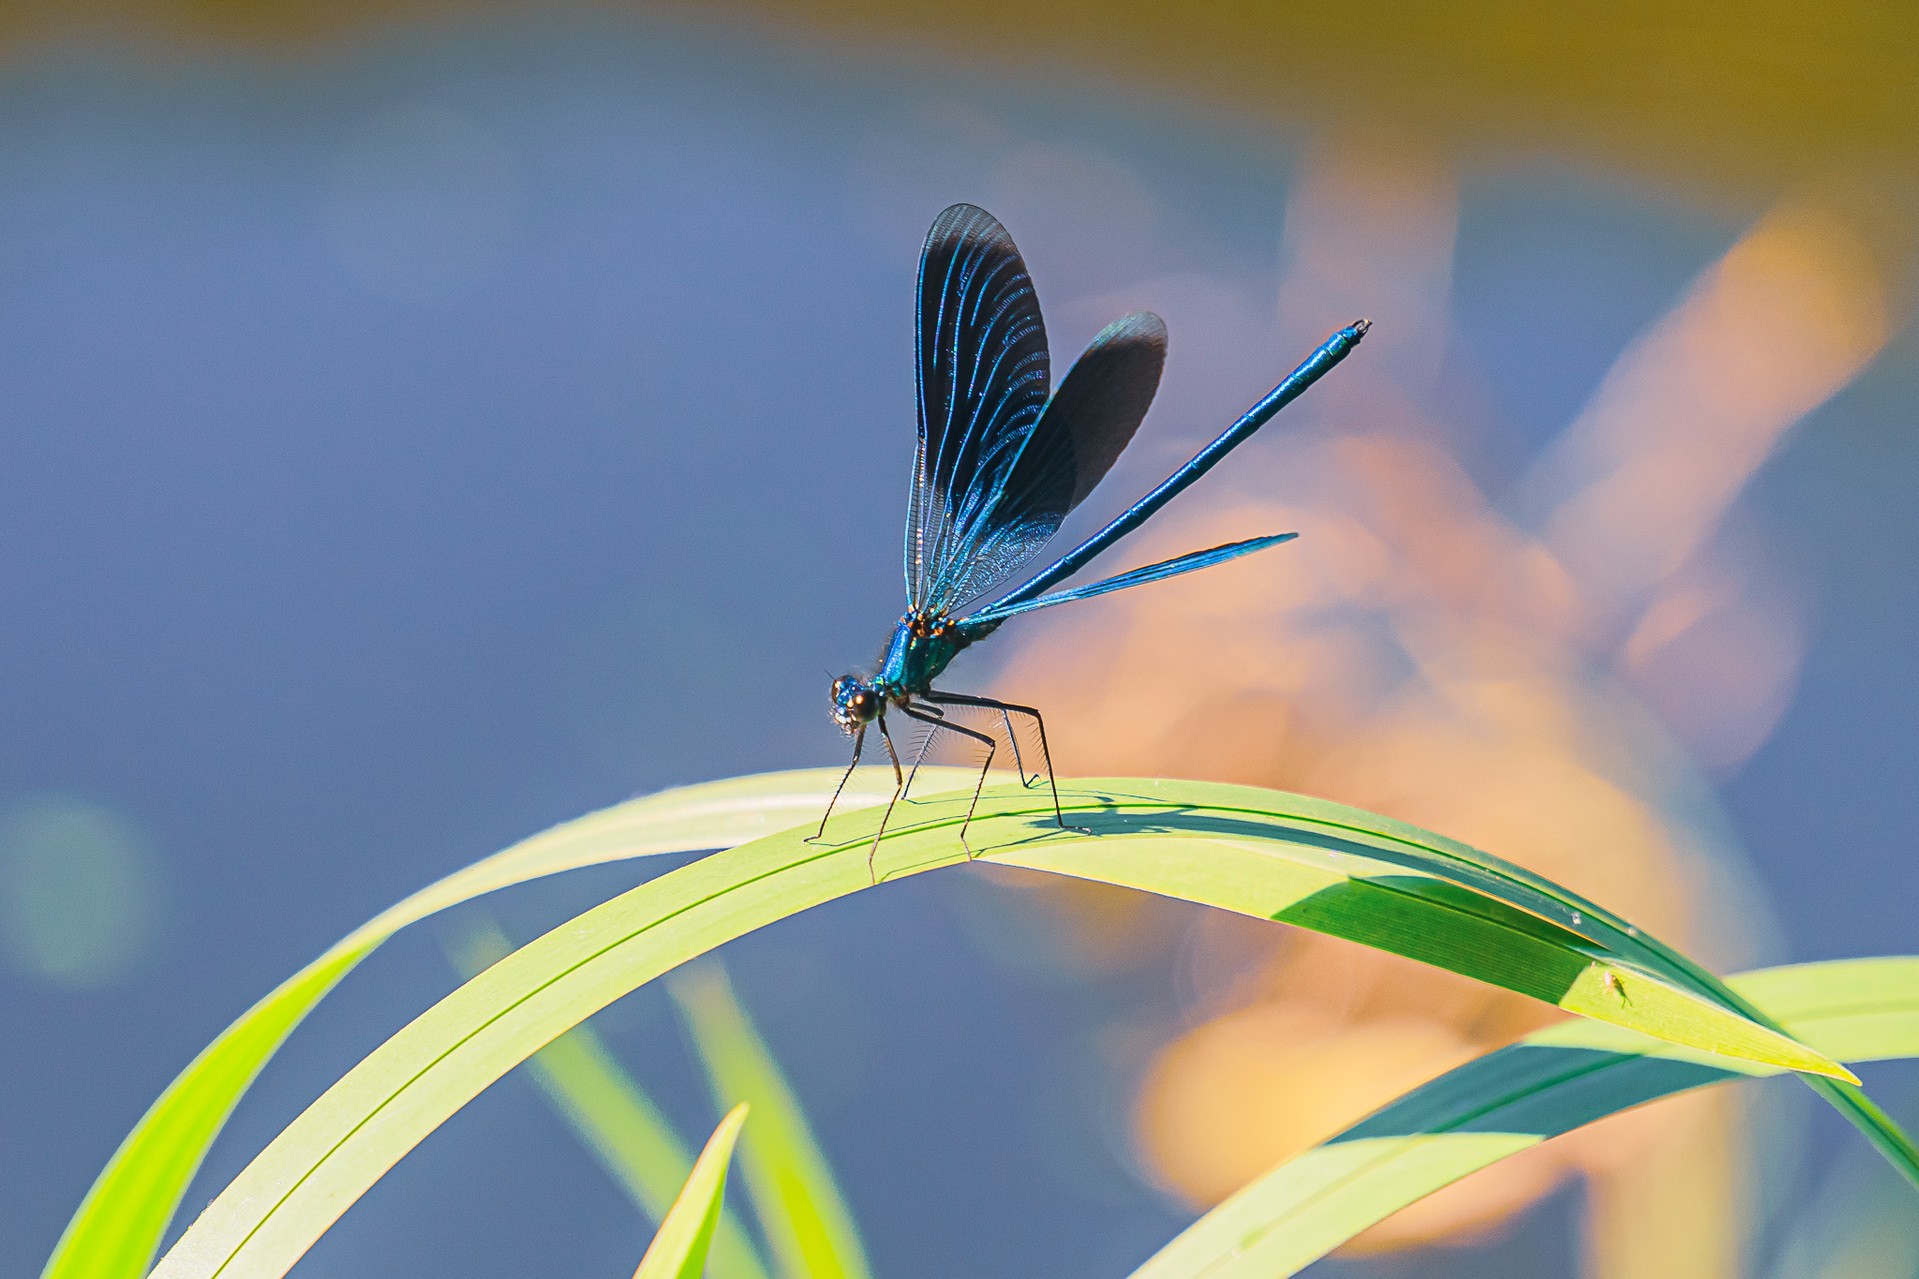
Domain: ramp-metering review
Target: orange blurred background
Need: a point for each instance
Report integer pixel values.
(1524, 676)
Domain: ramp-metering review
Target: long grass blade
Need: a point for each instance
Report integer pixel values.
(615, 1119)
(1547, 1084)
(678, 1251)
(808, 1227)
(118, 1226)
(1258, 852)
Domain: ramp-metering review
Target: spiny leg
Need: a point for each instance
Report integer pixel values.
(1012, 739)
(919, 756)
(859, 742)
(1045, 751)
(991, 746)
(899, 788)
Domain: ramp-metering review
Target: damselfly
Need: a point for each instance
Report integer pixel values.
(1000, 464)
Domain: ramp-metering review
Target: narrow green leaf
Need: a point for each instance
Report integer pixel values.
(614, 1118)
(1546, 1084)
(1254, 851)
(118, 1226)
(801, 1211)
(678, 1251)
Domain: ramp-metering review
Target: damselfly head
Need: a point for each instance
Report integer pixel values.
(855, 703)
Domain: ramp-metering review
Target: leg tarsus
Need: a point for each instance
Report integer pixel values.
(899, 788)
(859, 743)
(1012, 739)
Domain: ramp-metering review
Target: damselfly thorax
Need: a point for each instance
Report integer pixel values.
(922, 646)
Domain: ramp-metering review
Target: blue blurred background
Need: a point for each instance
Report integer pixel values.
(421, 438)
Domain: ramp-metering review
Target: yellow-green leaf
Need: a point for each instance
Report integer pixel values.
(1255, 851)
(616, 1120)
(678, 1251)
(808, 1228)
(118, 1226)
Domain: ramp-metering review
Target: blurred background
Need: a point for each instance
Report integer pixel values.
(423, 423)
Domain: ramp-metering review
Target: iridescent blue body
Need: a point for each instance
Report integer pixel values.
(922, 647)
(1002, 461)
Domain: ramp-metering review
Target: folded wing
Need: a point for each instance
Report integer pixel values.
(983, 381)
(999, 466)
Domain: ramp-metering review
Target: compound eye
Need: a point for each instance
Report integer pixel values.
(839, 686)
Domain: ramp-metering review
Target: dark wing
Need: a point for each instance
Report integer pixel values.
(1076, 441)
(983, 379)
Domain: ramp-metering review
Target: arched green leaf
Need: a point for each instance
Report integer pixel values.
(117, 1228)
(1258, 852)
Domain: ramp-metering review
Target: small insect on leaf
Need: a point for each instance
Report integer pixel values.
(1002, 460)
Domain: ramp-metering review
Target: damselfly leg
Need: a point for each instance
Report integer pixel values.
(932, 735)
(899, 788)
(859, 743)
(1012, 740)
(926, 742)
(940, 721)
(1045, 751)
